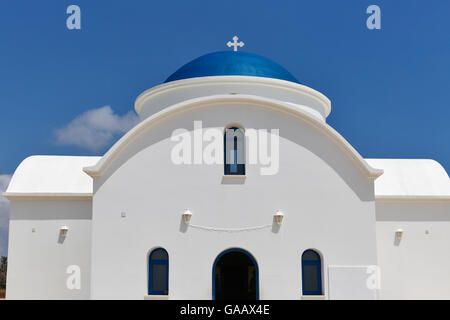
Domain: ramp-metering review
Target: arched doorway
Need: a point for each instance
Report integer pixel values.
(235, 276)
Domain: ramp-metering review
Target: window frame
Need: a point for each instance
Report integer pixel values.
(318, 264)
(151, 263)
(240, 171)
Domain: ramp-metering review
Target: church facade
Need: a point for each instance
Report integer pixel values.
(232, 186)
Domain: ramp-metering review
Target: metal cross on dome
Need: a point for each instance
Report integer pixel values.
(235, 44)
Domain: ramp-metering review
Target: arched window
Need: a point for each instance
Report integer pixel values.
(234, 151)
(311, 273)
(158, 272)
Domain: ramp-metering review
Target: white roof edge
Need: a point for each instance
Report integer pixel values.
(52, 176)
(411, 179)
(401, 198)
(47, 196)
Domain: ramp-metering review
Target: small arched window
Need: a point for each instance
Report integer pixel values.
(158, 272)
(311, 273)
(234, 151)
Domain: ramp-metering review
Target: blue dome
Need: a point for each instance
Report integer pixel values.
(231, 63)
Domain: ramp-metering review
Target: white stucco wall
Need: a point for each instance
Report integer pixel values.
(327, 201)
(324, 188)
(417, 266)
(168, 94)
(38, 261)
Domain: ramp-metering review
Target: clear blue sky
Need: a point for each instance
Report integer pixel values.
(390, 89)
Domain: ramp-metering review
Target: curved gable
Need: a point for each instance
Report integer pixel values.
(293, 110)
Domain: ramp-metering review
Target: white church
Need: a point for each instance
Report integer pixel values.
(232, 186)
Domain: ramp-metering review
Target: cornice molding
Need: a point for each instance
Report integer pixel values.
(31, 196)
(233, 80)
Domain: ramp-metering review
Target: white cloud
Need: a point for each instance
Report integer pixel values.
(4, 214)
(95, 129)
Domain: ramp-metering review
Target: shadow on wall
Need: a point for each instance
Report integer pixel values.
(61, 236)
(275, 226)
(183, 225)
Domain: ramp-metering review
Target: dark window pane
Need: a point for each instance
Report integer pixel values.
(160, 277)
(310, 278)
(234, 151)
(159, 254)
(310, 255)
(238, 170)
